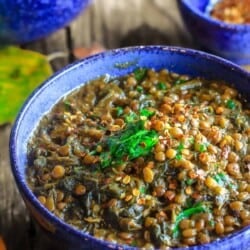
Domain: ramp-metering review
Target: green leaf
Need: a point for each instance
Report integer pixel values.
(21, 71)
(179, 151)
(191, 140)
(132, 142)
(230, 104)
(224, 180)
(178, 156)
(119, 111)
(143, 190)
(190, 181)
(139, 74)
(131, 117)
(147, 113)
(139, 89)
(161, 86)
(203, 148)
(198, 208)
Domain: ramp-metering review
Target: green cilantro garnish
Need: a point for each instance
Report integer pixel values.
(224, 180)
(139, 74)
(180, 147)
(67, 104)
(143, 190)
(178, 157)
(211, 223)
(119, 111)
(179, 151)
(203, 148)
(198, 208)
(147, 113)
(131, 117)
(230, 104)
(191, 140)
(161, 86)
(139, 89)
(132, 142)
(190, 181)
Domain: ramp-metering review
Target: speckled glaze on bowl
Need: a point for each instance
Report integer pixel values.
(115, 63)
(231, 41)
(23, 21)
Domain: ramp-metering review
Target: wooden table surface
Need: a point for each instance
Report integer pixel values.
(113, 24)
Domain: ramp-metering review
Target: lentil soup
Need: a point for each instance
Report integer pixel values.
(232, 11)
(152, 160)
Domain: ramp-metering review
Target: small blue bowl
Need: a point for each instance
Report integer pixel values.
(116, 63)
(231, 41)
(23, 21)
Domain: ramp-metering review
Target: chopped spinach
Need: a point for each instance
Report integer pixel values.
(198, 208)
(139, 74)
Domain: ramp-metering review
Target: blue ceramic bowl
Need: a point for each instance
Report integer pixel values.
(231, 41)
(115, 63)
(23, 21)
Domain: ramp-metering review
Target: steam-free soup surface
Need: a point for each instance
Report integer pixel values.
(152, 159)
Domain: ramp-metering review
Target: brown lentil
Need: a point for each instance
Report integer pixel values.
(189, 232)
(148, 174)
(58, 172)
(80, 189)
(42, 199)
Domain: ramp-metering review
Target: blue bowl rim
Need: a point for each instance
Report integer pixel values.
(213, 21)
(21, 182)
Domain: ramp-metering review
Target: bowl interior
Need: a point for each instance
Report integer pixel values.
(199, 5)
(115, 63)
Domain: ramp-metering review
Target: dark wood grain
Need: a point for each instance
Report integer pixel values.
(113, 24)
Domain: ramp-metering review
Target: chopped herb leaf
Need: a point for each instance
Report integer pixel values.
(231, 104)
(179, 150)
(221, 178)
(131, 117)
(139, 89)
(106, 159)
(67, 104)
(119, 111)
(139, 74)
(211, 223)
(180, 147)
(143, 190)
(191, 140)
(178, 157)
(132, 142)
(198, 208)
(161, 86)
(203, 148)
(190, 181)
(224, 180)
(146, 112)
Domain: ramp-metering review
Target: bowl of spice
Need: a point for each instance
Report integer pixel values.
(138, 148)
(26, 21)
(219, 26)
